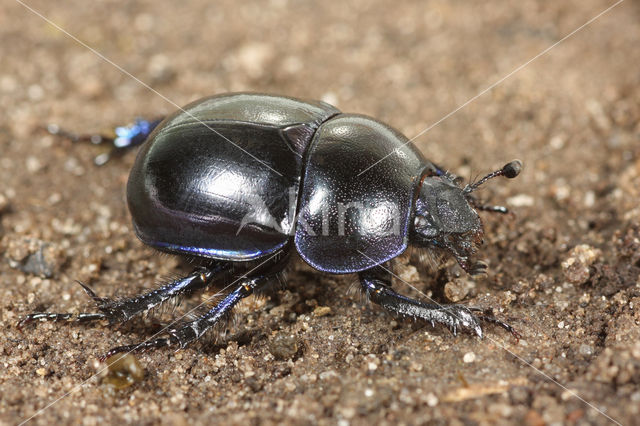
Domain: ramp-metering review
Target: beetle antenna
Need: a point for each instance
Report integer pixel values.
(509, 170)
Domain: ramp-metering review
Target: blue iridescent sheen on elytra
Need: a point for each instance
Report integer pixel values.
(134, 134)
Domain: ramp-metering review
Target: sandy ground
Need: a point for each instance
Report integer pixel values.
(564, 271)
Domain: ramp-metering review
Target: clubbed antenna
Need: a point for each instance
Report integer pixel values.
(509, 170)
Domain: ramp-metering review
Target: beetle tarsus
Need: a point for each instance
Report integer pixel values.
(138, 348)
(50, 316)
(488, 317)
(124, 138)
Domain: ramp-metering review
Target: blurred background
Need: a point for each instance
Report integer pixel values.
(563, 271)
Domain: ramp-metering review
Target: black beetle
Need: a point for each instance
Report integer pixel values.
(240, 179)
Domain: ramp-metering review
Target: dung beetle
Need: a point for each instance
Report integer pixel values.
(243, 180)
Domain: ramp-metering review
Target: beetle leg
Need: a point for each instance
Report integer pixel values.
(186, 333)
(378, 289)
(124, 138)
(49, 316)
(117, 311)
(193, 330)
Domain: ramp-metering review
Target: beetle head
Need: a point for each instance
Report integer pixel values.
(446, 217)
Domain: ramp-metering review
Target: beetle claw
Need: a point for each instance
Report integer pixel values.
(478, 330)
(488, 317)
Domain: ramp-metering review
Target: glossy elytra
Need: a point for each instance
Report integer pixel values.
(243, 180)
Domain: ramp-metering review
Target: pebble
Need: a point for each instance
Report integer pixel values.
(458, 289)
(432, 399)
(161, 69)
(469, 357)
(284, 346)
(521, 200)
(253, 58)
(34, 256)
(576, 267)
(33, 164)
(322, 311)
(123, 370)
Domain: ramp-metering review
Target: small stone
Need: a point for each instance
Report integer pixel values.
(34, 256)
(458, 289)
(123, 370)
(254, 57)
(33, 164)
(585, 350)
(322, 311)
(372, 362)
(161, 69)
(576, 267)
(432, 400)
(521, 200)
(35, 92)
(469, 357)
(284, 346)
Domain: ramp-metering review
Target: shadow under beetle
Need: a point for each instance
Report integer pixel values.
(243, 177)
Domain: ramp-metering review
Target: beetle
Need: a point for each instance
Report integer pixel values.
(243, 179)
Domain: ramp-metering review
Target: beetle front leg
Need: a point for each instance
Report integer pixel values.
(376, 283)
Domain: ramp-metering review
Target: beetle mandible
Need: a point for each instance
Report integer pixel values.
(239, 179)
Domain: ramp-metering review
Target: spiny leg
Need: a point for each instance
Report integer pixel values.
(376, 283)
(116, 311)
(50, 316)
(188, 332)
(125, 138)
